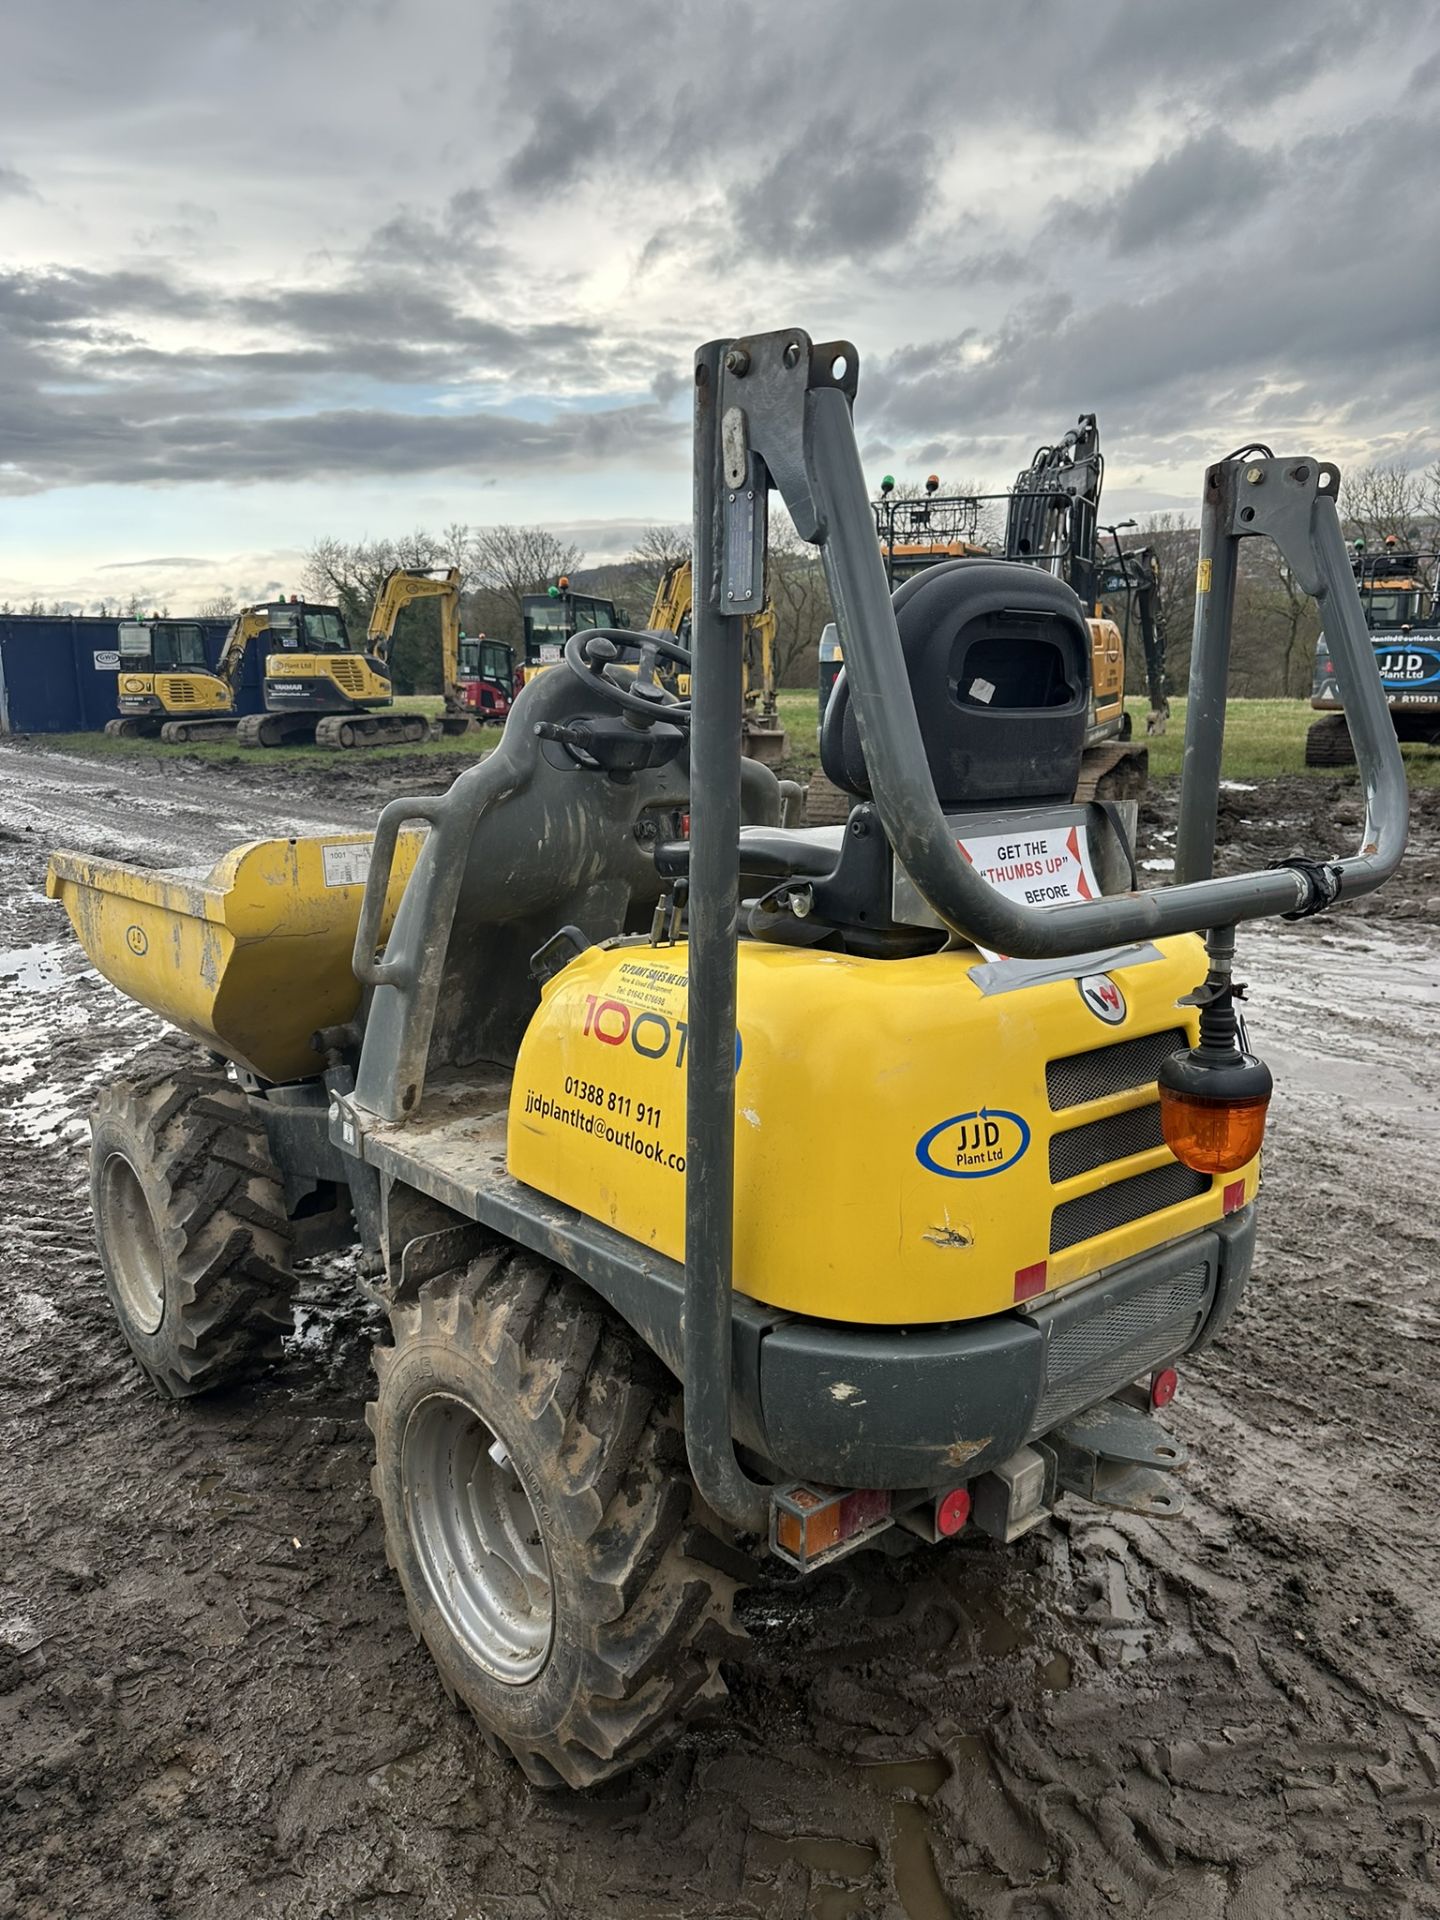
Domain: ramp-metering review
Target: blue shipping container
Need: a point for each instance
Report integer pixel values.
(58, 674)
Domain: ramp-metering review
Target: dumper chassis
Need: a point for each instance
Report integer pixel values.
(644, 1328)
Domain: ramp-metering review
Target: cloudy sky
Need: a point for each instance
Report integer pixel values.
(273, 269)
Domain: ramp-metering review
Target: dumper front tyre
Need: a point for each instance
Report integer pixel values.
(538, 1511)
(191, 1226)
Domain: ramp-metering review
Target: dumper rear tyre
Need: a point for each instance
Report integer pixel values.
(555, 1559)
(191, 1226)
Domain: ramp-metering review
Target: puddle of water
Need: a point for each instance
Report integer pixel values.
(1056, 1675)
(840, 1869)
(34, 969)
(912, 1860)
(830, 1863)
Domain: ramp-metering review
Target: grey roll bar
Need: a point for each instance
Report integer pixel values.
(775, 410)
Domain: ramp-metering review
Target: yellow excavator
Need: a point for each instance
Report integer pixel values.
(318, 687)
(762, 731)
(166, 684)
(399, 588)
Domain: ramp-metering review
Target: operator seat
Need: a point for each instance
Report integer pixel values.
(997, 656)
(998, 659)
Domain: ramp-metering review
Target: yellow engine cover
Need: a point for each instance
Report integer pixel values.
(351, 674)
(193, 693)
(895, 1122)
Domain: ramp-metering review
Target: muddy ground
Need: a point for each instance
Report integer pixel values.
(210, 1705)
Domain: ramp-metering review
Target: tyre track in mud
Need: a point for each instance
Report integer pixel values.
(210, 1704)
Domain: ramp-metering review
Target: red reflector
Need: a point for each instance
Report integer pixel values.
(1029, 1281)
(1162, 1386)
(684, 826)
(952, 1510)
(1234, 1195)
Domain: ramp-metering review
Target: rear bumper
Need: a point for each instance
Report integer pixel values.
(932, 1406)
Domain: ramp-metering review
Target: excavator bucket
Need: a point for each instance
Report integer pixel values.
(249, 959)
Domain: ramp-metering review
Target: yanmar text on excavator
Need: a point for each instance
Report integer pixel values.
(772, 1191)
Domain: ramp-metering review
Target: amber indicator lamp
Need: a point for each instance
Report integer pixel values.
(1214, 1096)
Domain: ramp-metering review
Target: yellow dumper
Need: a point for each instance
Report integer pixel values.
(745, 1189)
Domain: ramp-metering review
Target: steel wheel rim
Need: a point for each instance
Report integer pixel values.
(137, 1267)
(477, 1539)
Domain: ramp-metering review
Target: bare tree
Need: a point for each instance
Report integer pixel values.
(220, 607)
(797, 587)
(1377, 501)
(657, 550)
(507, 562)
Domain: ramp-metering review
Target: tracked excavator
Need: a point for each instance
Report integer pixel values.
(486, 677)
(762, 732)
(769, 1195)
(166, 687)
(318, 687)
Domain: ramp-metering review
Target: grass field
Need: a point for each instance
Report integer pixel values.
(1263, 738)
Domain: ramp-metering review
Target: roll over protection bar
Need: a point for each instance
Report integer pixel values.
(774, 410)
(1293, 501)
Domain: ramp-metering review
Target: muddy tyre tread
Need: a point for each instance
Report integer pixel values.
(219, 1209)
(653, 1614)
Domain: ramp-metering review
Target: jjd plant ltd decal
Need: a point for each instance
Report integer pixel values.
(972, 1146)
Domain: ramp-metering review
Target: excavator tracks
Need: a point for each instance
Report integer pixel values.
(347, 730)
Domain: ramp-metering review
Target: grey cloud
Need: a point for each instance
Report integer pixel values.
(1192, 192)
(565, 143)
(168, 560)
(66, 440)
(829, 192)
(15, 185)
(1206, 184)
(787, 162)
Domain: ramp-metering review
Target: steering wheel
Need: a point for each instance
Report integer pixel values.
(593, 654)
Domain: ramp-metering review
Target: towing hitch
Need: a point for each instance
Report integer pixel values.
(1119, 1457)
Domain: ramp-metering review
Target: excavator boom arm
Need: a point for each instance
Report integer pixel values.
(404, 584)
(243, 629)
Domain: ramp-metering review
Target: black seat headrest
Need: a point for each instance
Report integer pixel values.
(998, 659)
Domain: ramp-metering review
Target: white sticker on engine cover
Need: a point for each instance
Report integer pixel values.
(1040, 867)
(346, 866)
